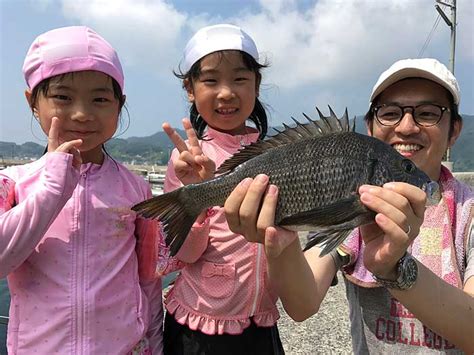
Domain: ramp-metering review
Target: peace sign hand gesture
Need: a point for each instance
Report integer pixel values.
(192, 166)
(55, 145)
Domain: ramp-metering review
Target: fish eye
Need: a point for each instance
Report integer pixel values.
(408, 166)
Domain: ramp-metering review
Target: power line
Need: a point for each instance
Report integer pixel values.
(430, 36)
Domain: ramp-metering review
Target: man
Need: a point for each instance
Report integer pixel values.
(409, 276)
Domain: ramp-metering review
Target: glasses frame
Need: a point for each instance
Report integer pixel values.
(413, 108)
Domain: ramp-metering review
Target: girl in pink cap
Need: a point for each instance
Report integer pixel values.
(68, 238)
(221, 302)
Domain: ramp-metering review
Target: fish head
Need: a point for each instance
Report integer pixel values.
(406, 170)
(392, 166)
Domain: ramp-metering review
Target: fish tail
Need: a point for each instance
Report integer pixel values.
(175, 214)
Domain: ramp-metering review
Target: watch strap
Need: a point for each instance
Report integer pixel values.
(407, 274)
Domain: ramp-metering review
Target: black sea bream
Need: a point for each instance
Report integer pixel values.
(317, 166)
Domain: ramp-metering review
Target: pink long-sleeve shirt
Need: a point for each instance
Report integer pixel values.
(224, 280)
(67, 246)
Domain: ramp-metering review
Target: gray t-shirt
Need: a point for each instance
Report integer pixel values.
(382, 325)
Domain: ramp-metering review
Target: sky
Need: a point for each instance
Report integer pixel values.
(321, 52)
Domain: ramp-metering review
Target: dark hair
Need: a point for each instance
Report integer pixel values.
(453, 109)
(43, 88)
(258, 115)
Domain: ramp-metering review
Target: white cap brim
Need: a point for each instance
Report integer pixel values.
(425, 68)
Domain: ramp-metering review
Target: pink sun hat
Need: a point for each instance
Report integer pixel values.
(70, 49)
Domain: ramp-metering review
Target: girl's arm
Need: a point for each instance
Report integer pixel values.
(23, 225)
(301, 280)
(189, 165)
(148, 243)
(154, 334)
(445, 309)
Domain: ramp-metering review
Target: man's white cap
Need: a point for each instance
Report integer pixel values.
(217, 38)
(426, 68)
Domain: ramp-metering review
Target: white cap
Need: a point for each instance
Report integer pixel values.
(426, 68)
(217, 38)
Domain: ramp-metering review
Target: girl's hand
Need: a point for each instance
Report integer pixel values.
(400, 210)
(54, 144)
(250, 211)
(192, 166)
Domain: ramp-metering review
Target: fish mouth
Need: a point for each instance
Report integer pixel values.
(430, 188)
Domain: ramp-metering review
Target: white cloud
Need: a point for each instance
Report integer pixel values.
(321, 52)
(144, 32)
(342, 40)
(329, 42)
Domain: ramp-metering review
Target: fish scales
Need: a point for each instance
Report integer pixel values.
(317, 166)
(308, 177)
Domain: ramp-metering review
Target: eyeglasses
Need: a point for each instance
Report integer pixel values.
(425, 115)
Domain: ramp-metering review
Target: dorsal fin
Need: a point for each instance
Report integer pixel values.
(324, 126)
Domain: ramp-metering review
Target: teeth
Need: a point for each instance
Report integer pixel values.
(227, 111)
(407, 147)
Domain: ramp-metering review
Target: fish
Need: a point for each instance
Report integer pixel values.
(317, 166)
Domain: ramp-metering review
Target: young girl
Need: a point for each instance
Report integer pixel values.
(221, 302)
(67, 234)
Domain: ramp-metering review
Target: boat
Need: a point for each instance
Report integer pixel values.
(157, 181)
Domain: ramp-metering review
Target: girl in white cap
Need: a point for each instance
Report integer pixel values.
(221, 302)
(68, 237)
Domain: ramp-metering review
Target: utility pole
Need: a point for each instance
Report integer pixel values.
(452, 25)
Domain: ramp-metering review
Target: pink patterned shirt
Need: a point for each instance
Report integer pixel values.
(223, 282)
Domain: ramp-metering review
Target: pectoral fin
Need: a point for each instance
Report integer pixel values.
(342, 211)
(329, 238)
(332, 223)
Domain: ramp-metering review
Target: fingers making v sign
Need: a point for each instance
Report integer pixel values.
(192, 166)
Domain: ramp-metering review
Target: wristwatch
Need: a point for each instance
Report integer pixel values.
(340, 259)
(407, 270)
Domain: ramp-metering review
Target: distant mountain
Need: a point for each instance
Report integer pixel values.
(462, 153)
(155, 149)
(26, 150)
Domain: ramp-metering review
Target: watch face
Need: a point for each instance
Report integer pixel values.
(409, 271)
(407, 274)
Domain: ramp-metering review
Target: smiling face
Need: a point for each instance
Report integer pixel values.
(86, 107)
(224, 92)
(425, 146)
